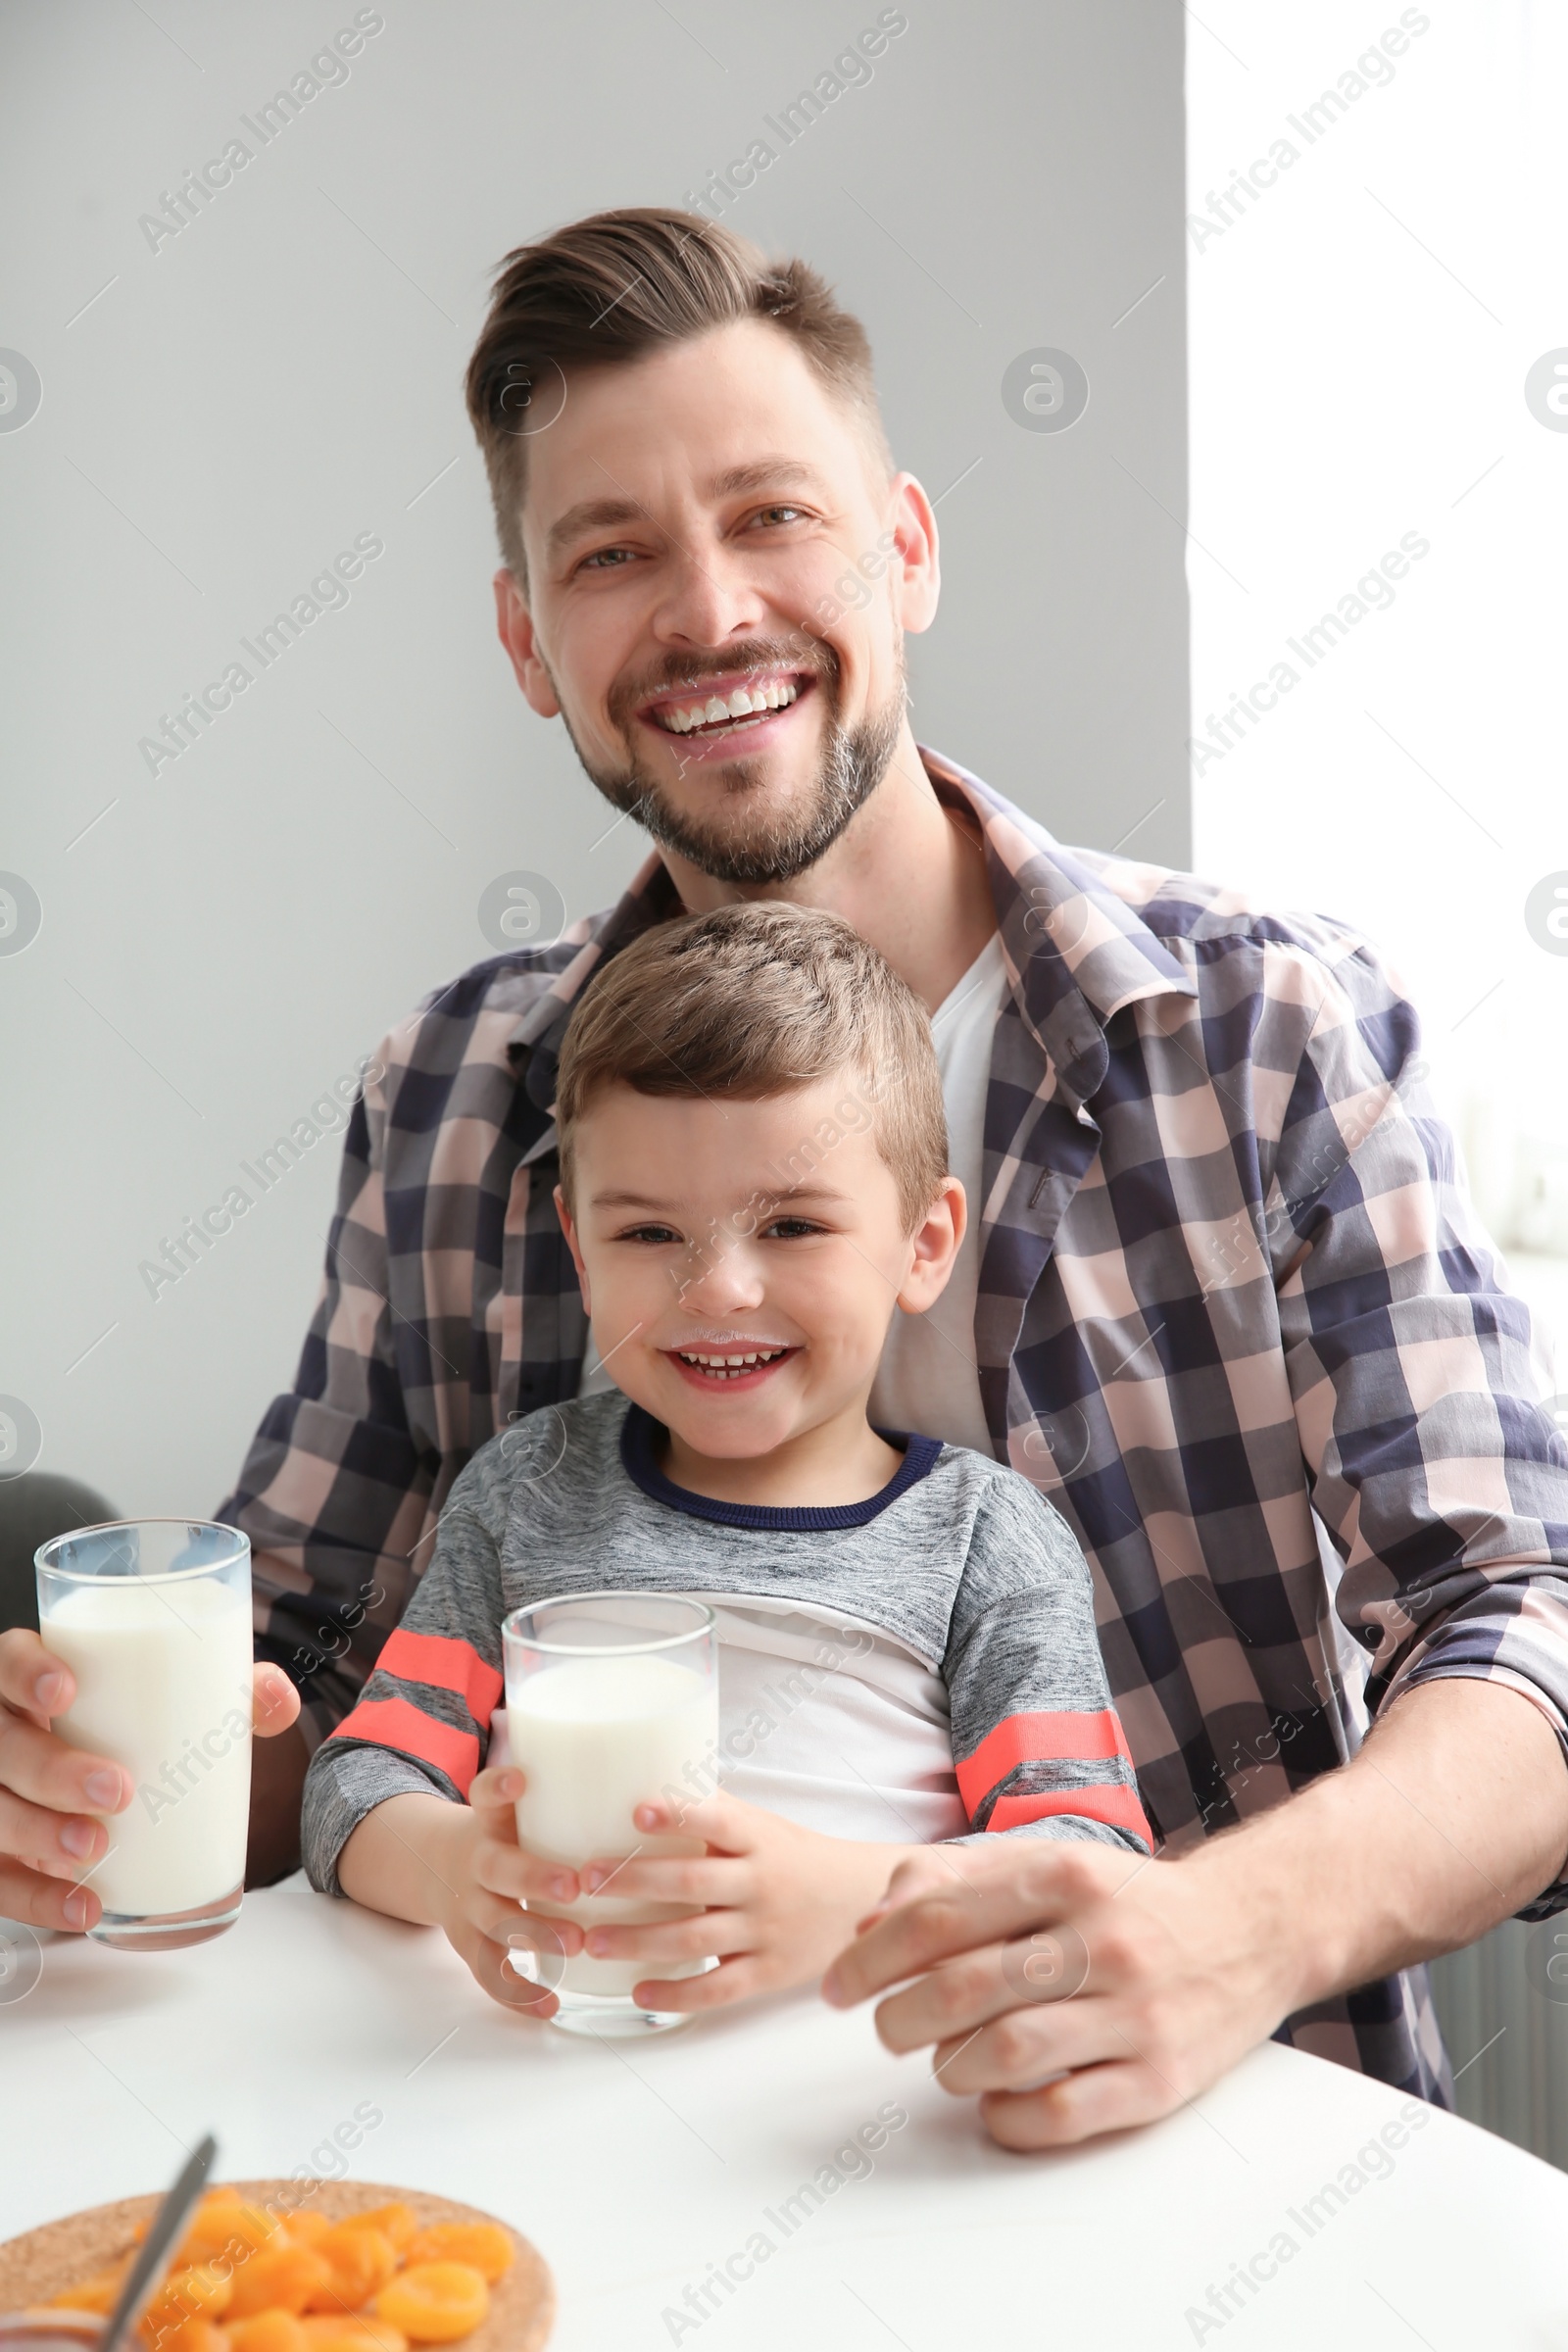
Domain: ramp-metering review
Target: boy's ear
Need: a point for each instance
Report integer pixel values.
(934, 1246)
(570, 1232)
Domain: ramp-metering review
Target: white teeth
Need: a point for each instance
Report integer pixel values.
(730, 1367)
(776, 695)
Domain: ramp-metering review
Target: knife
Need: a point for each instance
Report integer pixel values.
(166, 2229)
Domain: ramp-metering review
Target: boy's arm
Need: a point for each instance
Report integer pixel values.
(459, 1868)
(1037, 1745)
(422, 1728)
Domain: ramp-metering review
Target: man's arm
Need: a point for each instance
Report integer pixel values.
(335, 1489)
(1454, 1815)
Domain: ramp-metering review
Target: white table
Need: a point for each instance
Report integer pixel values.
(636, 2170)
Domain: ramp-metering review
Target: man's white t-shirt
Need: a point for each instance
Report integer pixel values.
(928, 1381)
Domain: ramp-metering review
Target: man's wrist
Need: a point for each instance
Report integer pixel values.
(1257, 1885)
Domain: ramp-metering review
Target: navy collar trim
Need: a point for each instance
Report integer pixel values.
(641, 1436)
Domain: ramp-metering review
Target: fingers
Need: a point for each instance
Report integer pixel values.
(494, 1791)
(709, 1934)
(524, 1878)
(62, 1846)
(37, 1765)
(715, 1989)
(667, 1879)
(489, 1964)
(45, 1902)
(928, 1871)
(500, 1918)
(32, 1677)
(274, 1704)
(1021, 2049)
(958, 1996)
(724, 1822)
(1100, 2098)
(500, 1863)
(1004, 1891)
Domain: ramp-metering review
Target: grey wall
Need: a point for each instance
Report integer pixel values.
(220, 416)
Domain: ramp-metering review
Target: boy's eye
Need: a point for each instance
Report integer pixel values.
(791, 1229)
(647, 1232)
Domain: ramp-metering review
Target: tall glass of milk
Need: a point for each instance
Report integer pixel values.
(153, 1617)
(611, 1700)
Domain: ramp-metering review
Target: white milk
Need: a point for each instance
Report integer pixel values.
(163, 1670)
(595, 1736)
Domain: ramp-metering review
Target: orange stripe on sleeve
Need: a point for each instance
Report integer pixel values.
(393, 1723)
(1037, 1739)
(1109, 1801)
(446, 1664)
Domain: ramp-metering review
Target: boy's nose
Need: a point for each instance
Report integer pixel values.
(722, 1279)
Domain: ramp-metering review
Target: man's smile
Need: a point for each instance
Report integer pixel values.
(729, 708)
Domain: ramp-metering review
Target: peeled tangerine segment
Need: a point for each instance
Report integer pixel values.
(359, 2261)
(397, 2221)
(353, 2332)
(435, 2302)
(269, 2331)
(281, 2277)
(483, 2245)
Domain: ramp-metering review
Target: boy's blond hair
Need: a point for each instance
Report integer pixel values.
(754, 1000)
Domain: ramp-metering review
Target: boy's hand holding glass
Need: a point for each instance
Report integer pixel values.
(778, 1902)
(459, 1868)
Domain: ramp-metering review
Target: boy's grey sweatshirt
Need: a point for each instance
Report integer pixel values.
(935, 1669)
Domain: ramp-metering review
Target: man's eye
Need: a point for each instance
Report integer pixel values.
(779, 515)
(606, 559)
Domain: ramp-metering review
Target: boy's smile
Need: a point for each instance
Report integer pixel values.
(742, 1261)
(731, 1363)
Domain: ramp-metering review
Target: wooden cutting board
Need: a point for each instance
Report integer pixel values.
(42, 2264)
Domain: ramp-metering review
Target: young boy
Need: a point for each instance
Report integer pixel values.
(753, 1181)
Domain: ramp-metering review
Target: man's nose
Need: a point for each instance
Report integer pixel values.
(707, 597)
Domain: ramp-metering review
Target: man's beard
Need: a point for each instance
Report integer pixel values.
(750, 851)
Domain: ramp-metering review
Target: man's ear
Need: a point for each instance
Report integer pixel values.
(516, 630)
(914, 570)
(572, 1244)
(934, 1246)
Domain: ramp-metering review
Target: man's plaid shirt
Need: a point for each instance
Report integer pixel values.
(1235, 1319)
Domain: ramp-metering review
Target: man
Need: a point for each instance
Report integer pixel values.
(1224, 1290)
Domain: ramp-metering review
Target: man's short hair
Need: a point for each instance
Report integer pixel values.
(616, 286)
(757, 1000)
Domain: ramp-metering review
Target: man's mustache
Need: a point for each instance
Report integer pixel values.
(755, 656)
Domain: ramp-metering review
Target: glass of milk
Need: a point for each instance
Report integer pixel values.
(611, 1700)
(153, 1617)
